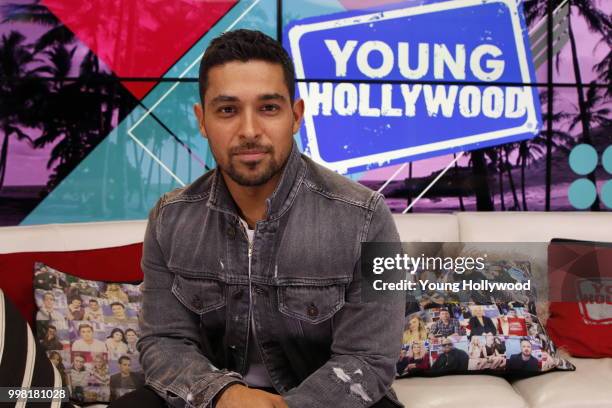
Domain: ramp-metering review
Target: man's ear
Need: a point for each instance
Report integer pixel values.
(198, 110)
(298, 114)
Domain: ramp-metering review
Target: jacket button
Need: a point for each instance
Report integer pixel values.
(231, 232)
(312, 310)
(238, 294)
(196, 302)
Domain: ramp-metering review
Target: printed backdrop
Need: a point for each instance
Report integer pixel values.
(96, 110)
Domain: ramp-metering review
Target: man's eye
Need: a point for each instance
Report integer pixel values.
(226, 110)
(270, 108)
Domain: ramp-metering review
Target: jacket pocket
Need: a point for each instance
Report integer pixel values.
(199, 295)
(311, 304)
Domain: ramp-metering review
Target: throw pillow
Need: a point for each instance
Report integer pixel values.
(115, 264)
(91, 329)
(580, 275)
(478, 330)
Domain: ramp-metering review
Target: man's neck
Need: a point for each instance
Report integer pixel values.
(252, 200)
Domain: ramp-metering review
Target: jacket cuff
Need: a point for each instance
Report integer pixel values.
(203, 393)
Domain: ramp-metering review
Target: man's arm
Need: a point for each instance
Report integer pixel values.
(170, 352)
(366, 340)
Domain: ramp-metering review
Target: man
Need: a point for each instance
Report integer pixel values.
(125, 380)
(50, 340)
(78, 376)
(119, 315)
(523, 361)
(446, 326)
(451, 359)
(87, 342)
(48, 279)
(75, 311)
(47, 314)
(82, 288)
(93, 312)
(252, 272)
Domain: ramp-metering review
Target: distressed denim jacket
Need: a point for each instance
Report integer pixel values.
(298, 283)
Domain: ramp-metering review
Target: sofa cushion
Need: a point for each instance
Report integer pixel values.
(533, 226)
(458, 391)
(587, 387)
(427, 227)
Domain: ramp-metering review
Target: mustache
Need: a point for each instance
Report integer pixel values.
(250, 147)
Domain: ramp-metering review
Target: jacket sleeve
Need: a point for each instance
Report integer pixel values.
(170, 352)
(366, 339)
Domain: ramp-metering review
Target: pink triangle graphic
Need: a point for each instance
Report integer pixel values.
(139, 38)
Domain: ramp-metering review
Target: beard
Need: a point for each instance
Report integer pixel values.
(257, 173)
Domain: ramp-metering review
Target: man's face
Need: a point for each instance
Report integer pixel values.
(444, 316)
(124, 366)
(526, 348)
(48, 302)
(447, 346)
(76, 303)
(249, 120)
(131, 337)
(94, 306)
(86, 333)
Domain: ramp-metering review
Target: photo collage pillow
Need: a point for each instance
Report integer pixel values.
(89, 330)
(480, 330)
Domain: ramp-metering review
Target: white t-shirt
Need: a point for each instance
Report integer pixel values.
(257, 375)
(95, 347)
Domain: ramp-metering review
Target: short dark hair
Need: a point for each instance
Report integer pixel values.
(117, 304)
(123, 358)
(84, 326)
(245, 45)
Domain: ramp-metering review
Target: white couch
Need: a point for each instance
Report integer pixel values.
(590, 386)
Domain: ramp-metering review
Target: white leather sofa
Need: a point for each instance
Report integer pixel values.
(590, 386)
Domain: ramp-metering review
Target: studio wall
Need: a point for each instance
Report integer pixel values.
(96, 118)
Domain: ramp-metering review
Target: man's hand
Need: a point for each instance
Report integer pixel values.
(239, 396)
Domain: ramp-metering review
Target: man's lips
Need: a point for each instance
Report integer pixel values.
(251, 155)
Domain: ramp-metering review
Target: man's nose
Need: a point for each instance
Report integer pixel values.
(250, 126)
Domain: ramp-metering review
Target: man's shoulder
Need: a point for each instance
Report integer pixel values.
(198, 190)
(332, 185)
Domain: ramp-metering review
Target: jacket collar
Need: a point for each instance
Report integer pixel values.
(281, 199)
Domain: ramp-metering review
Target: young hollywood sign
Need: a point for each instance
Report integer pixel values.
(391, 85)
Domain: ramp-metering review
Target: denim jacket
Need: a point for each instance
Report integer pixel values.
(298, 283)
